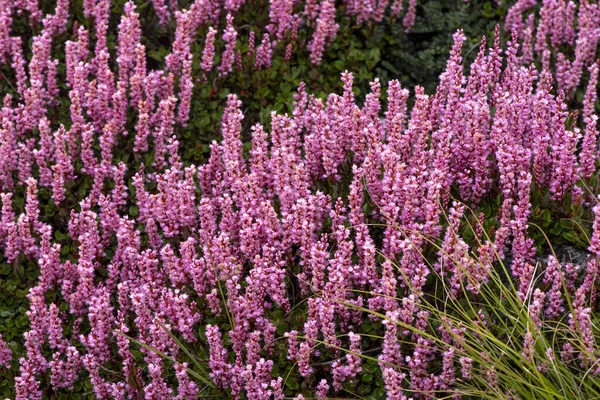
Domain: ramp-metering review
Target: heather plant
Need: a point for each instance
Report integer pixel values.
(275, 268)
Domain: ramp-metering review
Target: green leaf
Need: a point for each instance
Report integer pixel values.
(5, 269)
(367, 326)
(570, 236)
(285, 88)
(22, 321)
(339, 65)
(158, 55)
(374, 57)
(292, 383)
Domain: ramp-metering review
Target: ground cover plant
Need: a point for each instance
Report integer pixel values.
(268, 200)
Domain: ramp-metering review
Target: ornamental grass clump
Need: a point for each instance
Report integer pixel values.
(492, 342)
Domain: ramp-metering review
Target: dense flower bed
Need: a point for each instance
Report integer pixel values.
(332, 254)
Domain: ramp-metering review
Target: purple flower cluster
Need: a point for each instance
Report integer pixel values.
(219, 240)
(563, 24)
